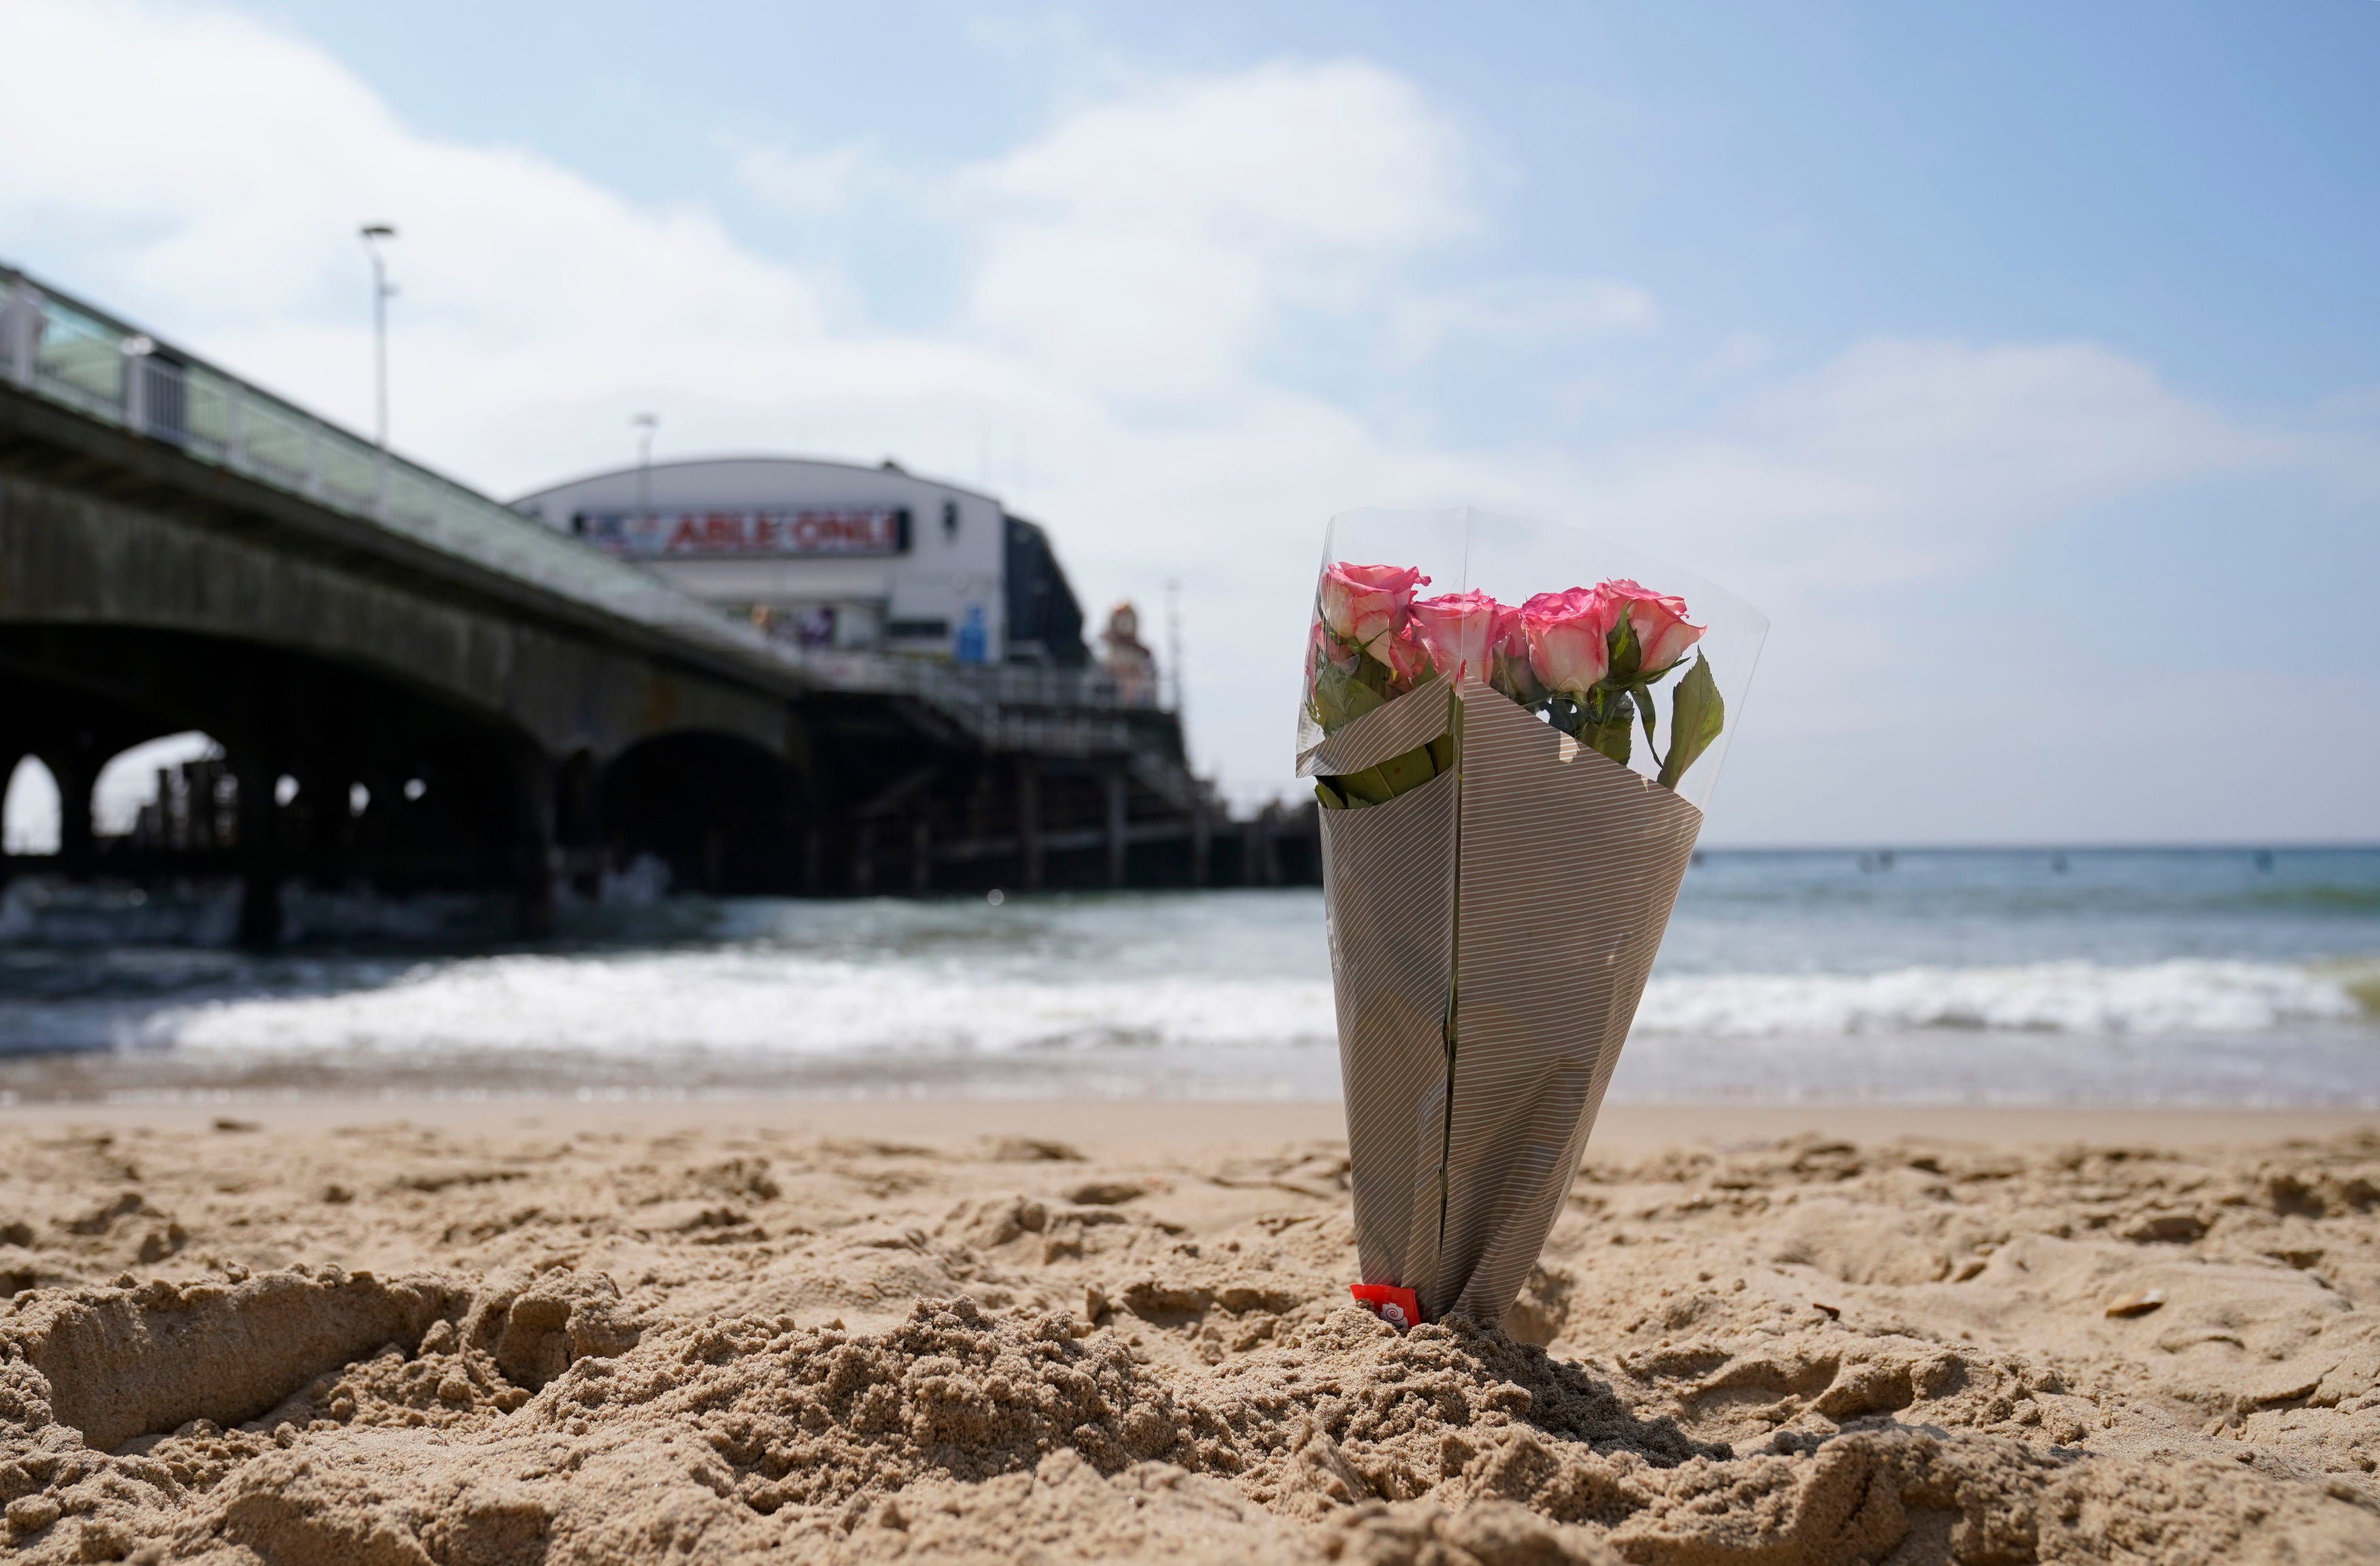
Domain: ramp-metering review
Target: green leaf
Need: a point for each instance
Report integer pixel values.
(1624, 653)
(1696, 715)
(1377, 785)
(1366, 787)
(1409, 770)
(1332, 798)
(1340, 698)
(1644, 698)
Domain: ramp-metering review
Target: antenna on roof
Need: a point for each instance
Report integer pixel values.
(646, 424)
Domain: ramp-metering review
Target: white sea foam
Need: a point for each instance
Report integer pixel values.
(727, 1002)
(771, 1002)
(2178, 996)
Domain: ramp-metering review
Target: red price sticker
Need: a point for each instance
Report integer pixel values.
(1400, 1308)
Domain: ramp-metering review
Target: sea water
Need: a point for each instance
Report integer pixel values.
(2195, 976)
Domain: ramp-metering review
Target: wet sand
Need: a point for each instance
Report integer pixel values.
(1183, 1126)
(281, 1331)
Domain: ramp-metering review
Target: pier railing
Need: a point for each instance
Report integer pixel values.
(68, 352)
(1040, 686)
(1048, 711)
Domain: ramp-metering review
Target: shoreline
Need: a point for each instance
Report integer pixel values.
(1120, 1126)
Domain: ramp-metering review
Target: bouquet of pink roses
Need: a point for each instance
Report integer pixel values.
(1499, 860)
(1586, 659)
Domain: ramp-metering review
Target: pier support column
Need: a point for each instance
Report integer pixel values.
(1255, 849)
(1028, 823)
(74, 771)
(579, 826)
(533, 844)
(921, 854)
(324, 765)
(863, 856)
(1118, 791)
(1202, 844)
(11, 752)
(259, 844)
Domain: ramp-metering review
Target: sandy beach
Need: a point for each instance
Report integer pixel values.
(489, 1332)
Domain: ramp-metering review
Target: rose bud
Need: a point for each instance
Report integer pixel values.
(1663, 634)
(1459, 629)
(1363, 603)
(1569, 639)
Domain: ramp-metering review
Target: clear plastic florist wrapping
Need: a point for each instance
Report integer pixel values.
(1513, 728)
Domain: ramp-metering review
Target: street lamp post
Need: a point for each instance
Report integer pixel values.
(372, 234)
(383, 291)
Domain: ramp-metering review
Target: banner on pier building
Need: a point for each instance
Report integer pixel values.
(678, 534)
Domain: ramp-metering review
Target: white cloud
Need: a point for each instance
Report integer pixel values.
(1127, 272)
(1896, 461)
(806, 184)
(1341, 160)
(1521, 313)
(1149, 245)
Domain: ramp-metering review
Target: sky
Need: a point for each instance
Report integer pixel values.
(2020, 361)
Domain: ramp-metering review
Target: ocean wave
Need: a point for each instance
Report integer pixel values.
(746, 1002)
(762, 1001)
(2178, 996)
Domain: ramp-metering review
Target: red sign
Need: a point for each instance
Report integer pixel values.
(648, 535)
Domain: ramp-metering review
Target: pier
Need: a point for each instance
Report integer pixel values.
(414, 688)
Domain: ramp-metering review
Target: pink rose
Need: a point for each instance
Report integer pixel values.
(1460, 629)
(1569, 639)
(1510, 671)
(1363, 603)
(1663, 634)
(1407, 659)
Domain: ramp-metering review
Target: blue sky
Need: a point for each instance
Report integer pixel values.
(2021, 361)
(2139, 173)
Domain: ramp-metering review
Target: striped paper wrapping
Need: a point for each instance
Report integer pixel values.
(1404, 725)
(1570, 864)
(1388, 873)
(1526, 893)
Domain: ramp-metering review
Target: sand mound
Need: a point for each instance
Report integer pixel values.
(120, 1363)
(639, 1351)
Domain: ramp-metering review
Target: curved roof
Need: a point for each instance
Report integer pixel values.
(755, 459)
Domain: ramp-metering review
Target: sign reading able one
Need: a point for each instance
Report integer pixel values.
(650, 535)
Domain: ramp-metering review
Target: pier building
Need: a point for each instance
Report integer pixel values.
(835, 555)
